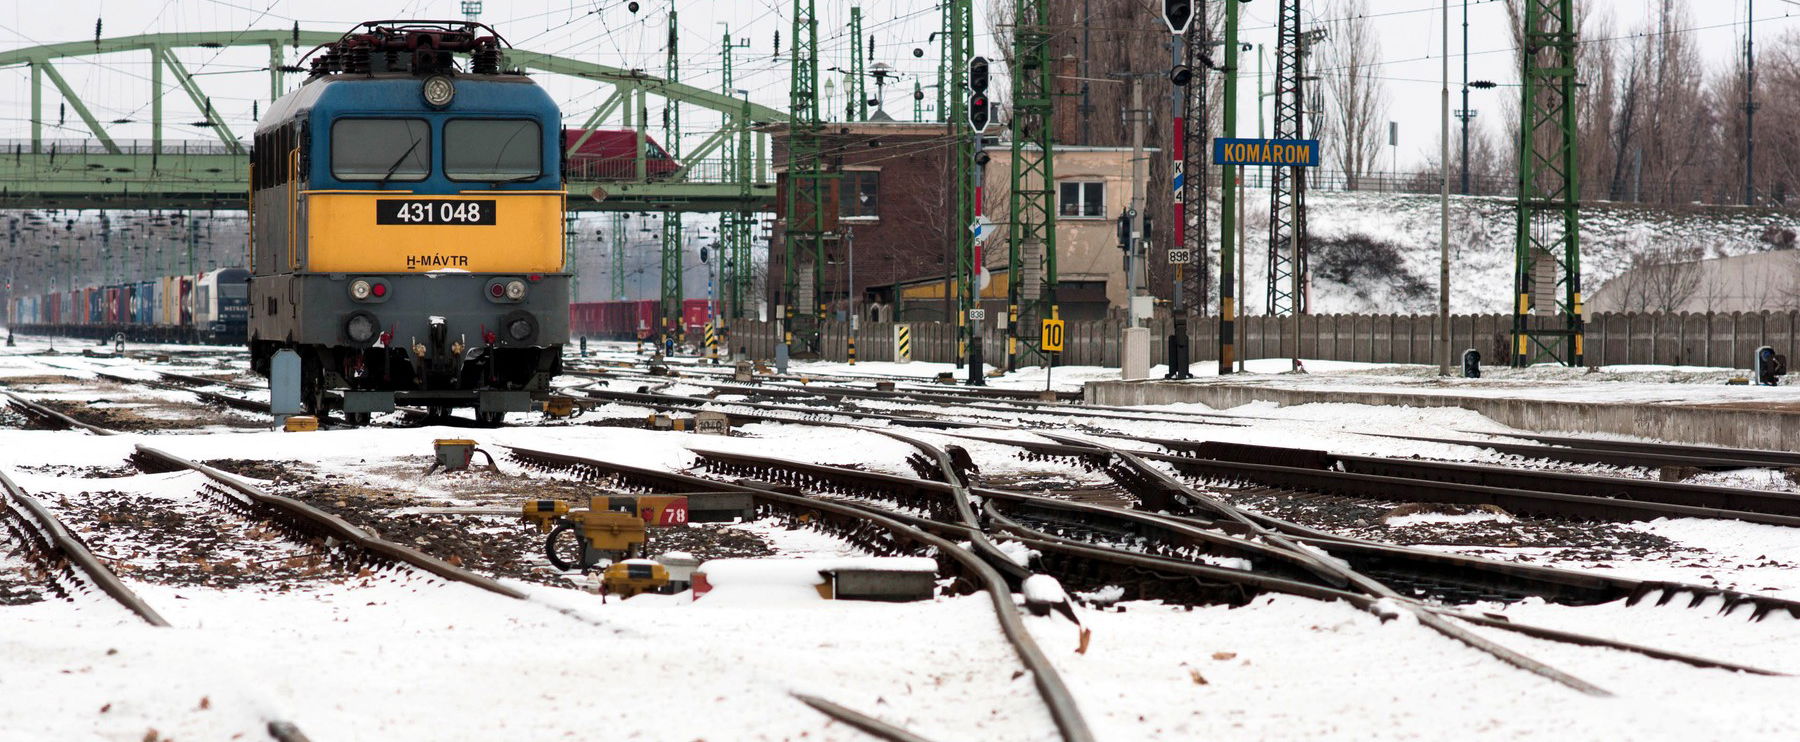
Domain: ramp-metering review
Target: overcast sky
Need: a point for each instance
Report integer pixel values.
(607, 32)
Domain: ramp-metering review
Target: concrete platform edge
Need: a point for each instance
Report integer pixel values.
(1735, 428)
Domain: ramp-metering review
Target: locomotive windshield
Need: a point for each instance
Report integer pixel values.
(493, 149)
(380, 149)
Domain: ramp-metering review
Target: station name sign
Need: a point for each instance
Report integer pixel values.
(1266, 152)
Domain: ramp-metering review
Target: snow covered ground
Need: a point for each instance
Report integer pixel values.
(396, 656)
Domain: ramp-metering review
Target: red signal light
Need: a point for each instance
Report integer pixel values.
(379, 290)
(496, 290)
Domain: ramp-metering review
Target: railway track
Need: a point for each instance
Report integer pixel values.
(1168, 570)
(881, 533)
(348, 546)
(1547, 493)
(77, 569)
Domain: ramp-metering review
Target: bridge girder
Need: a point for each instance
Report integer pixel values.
(195, 174)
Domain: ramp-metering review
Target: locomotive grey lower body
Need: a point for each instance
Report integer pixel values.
(439, 340)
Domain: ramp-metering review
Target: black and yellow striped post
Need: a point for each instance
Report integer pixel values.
(712, 341)
(902, 343)
(850, 346)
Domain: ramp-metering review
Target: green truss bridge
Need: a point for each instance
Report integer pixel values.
(728, 171)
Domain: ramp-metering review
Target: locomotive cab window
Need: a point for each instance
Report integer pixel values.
(380, 149)
(493, 149)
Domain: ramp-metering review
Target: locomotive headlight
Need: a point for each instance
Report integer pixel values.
(361, 327)
(515, 290)
(439, 91)
(519, 329)
(360, 289)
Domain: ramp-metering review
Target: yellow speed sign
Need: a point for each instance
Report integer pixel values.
(1052, 339)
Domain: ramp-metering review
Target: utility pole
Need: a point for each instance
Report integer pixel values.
(618, 256)
(1031, 206)
(672, 267)
(1228, 195)
(1466, 114)
(1182, 86)
(1750, 105)
(1134, 259)
(1178, 15)
(1444, 201)
(1087, 54)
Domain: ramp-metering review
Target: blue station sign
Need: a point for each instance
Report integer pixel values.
(1266, 152)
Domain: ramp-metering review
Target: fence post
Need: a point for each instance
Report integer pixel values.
(1706, 359)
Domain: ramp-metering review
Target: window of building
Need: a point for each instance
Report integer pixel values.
(859, 193)
(380, 149)
(1083, 200)
(493, 149)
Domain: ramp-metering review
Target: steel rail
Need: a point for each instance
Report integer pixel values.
(1049, 543)
(1609, 587)
(45, 414)
(1061, 548)
(861, 721)
(1765, 456)
(1362, 582)
(1583, 455)
(224, 400)
(1055, 694)
(1394, 487)
(312, 519)
(56, 538)
(1489, 475)
(1017, 407)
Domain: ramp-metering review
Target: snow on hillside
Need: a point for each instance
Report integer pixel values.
(1377, 252)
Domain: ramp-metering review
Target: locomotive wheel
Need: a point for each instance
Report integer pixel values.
(569, 545)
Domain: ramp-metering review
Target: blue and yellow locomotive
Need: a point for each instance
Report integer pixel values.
(406, 226)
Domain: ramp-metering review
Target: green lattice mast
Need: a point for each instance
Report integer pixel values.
(805, 229)
(1287, 186)
(671, 221)
(960, 47)
(1547, 260)
(1031, 236)
(734, 226)
(857, 87)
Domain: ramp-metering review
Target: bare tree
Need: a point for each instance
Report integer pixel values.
(1349, 62)
(1670, 276)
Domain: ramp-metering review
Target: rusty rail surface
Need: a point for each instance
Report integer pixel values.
(51, 417)
(32, 522)
(308, 519)
(1057, 698)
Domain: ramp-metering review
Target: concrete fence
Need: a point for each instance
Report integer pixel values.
(1612, 339)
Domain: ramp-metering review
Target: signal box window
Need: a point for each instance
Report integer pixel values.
(1083, 200)
(380, 149)
(493, 149)
(859, 194)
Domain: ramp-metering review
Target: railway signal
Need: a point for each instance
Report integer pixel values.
(1178, 15)
(979, 106)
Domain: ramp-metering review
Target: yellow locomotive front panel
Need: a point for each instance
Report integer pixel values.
(402, 232)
